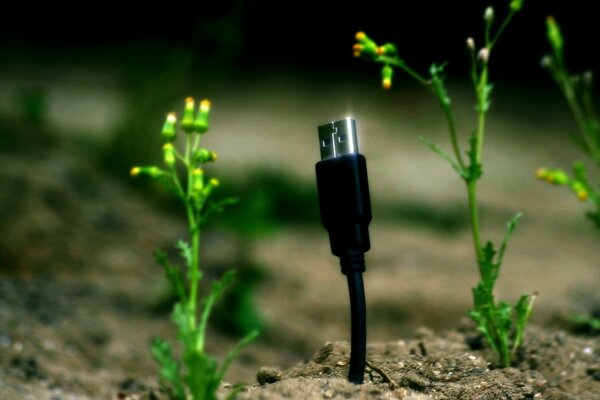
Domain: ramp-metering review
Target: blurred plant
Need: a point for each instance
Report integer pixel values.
(33, 106)
(494, 319)
(577, 90)
(197, 375)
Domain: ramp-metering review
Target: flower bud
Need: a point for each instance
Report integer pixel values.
(580, 190)
(212, 184)
(553, 32)
(187, 122)
(583, 195)
(368, 49)
(152, 171)
(488, 15)
(387, 49)
(516, 5)
(169, 154)
(197, 180)
(557, 177)
(365, 46)
(168, 131)
(386, 77)
(361, 36)
(201, 122)
(541, 173)
(484, 55)
(546, 61)
(204, 155)
(471, 43)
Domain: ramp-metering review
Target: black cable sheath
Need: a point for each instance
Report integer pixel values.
(358, 339)
(345, 204)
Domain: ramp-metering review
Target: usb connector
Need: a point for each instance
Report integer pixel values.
(346, 213)
(338, 138)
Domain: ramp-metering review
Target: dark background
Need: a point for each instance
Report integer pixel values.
(315, 34)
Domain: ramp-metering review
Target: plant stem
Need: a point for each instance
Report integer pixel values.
(579, 115)
(194, 232)
(453, 134)
(500, 30)
(481, 90)
(474, 218)
(400, 64)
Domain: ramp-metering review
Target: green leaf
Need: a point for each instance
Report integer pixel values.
(503, 317)
(488, 267)
(587, 321)
(216, 290)
(233, 353)
(173, 274)
(169, 367)
(213, 207)
(437, 83)
(185, 251)
(440, 152)
(485, 99)
(481, 320)
(183, 319)
(474, 170)
(523, 308)
(510, 227)
(201, 377)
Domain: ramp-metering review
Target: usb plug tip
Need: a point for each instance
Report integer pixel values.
(338, 138)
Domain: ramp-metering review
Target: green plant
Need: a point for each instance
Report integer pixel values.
(197, 375)
(494, 319)
(577, 90)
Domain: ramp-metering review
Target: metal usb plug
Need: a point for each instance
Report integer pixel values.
(338, 138)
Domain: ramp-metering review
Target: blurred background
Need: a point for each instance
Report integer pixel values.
(83, 94)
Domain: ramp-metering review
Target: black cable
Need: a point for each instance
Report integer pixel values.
(345, 206)
(358, 341)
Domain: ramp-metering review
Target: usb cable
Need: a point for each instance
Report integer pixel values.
(346, 213)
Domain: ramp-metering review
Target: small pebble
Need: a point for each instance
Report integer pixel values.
(267, 375)
(588, 351)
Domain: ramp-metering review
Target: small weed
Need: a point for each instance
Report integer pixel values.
(577, 90)
(196, 375)
(495, 320)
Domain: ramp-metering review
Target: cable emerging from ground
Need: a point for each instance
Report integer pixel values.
(345, 206)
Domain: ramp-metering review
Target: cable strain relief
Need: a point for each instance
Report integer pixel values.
(353, 263)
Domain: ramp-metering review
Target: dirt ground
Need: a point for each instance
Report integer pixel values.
(79, 288)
